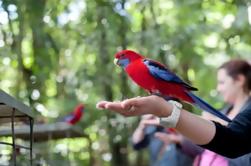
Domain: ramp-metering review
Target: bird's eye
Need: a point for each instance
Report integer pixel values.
(122, 55)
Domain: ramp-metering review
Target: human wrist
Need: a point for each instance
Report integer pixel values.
(172, 119)
(167, 109)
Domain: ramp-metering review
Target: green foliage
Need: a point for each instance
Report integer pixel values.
(55, 54)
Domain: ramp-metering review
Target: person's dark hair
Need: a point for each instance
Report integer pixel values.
(236, 67)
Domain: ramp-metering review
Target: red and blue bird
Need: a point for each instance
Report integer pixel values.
(158, 79)
(76, 115)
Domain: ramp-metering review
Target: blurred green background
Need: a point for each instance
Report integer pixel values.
(57, 53)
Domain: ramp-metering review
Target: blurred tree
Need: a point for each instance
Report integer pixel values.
(55, 54)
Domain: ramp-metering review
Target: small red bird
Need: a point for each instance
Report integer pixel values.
(76, 115)
(157, 79)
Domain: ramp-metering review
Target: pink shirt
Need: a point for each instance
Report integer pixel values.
(209, 158)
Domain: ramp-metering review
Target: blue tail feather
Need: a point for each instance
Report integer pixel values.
(205, 106)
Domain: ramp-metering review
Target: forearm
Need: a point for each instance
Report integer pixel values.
(199, 130)
(232, 140)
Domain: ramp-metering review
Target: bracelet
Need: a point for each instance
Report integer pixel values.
(172, 120)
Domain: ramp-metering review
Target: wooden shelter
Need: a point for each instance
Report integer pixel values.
(13, 111)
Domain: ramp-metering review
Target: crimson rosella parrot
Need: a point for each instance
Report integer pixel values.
(157, 79)
(76, 115)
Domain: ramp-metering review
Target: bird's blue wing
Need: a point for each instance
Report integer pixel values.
(68, 118)
(160, 72)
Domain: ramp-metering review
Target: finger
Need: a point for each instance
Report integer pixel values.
(154, 122)
(162, 136)
(114, 106)
(128, 103)
(101, 104)
(147, 116)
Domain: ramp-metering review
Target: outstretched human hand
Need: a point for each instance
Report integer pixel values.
(138, 106)
(189, 125)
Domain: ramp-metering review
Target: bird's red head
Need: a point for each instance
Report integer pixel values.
(79, 107)
(124, 57)
(127, 54)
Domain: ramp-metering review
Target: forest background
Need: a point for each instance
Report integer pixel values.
(55, 54)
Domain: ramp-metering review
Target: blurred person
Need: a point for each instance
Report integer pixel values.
(161, 153)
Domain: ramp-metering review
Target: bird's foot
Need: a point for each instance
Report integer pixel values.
(167, 98)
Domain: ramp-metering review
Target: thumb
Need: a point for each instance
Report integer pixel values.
(101, 104)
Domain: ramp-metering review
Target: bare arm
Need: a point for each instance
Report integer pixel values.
(199, 130)
(231, 141)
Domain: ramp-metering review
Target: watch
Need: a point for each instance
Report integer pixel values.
(172, 120)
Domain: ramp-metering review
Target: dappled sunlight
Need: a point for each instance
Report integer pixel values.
(56, 54)
(228, 21)
(249, 14)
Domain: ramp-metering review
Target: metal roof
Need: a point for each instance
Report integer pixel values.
(45, 132)
(8, 104)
